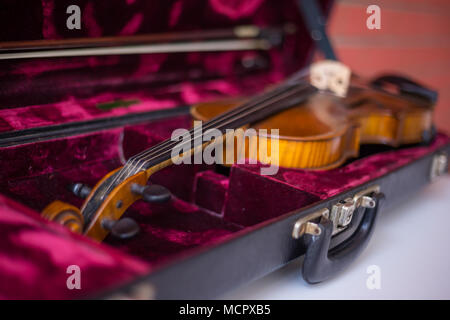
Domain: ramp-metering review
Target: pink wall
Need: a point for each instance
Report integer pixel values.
(414, 39)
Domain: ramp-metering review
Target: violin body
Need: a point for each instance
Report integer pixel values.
(309, 137)
(326, 131)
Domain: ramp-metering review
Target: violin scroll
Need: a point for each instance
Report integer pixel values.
(107, 218)
(65, 214)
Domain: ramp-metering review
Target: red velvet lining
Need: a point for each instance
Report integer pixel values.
(35, 255)
(208, 207)
(222, 205)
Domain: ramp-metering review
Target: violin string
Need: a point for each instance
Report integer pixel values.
(133, 170)
(294, 79)
(130, 165)
(206, 127)
(290, 94)
(257, 99)
(221, 117)
(212, 122)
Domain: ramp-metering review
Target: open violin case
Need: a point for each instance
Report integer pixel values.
(66, 120)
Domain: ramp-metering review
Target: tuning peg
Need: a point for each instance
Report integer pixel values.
(80, 190)
(153, 193)
(124, 228)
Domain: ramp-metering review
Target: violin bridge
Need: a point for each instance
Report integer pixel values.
(330, 75)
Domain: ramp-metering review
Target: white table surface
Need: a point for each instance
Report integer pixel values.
(410, 245)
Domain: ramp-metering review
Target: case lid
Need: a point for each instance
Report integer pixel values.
(43, 91)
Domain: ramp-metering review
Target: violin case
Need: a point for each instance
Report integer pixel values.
(74, 119)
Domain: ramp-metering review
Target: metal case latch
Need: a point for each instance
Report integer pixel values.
(342, 212)
(439, 165)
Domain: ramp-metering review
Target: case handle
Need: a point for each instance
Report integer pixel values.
(321, 263)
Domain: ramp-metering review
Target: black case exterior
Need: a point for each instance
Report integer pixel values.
(216, 270)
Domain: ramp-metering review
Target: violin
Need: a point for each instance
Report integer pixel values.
(323, 115)
(327, 129)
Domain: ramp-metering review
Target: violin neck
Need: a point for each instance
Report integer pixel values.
(326, 75)
(260, 107)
